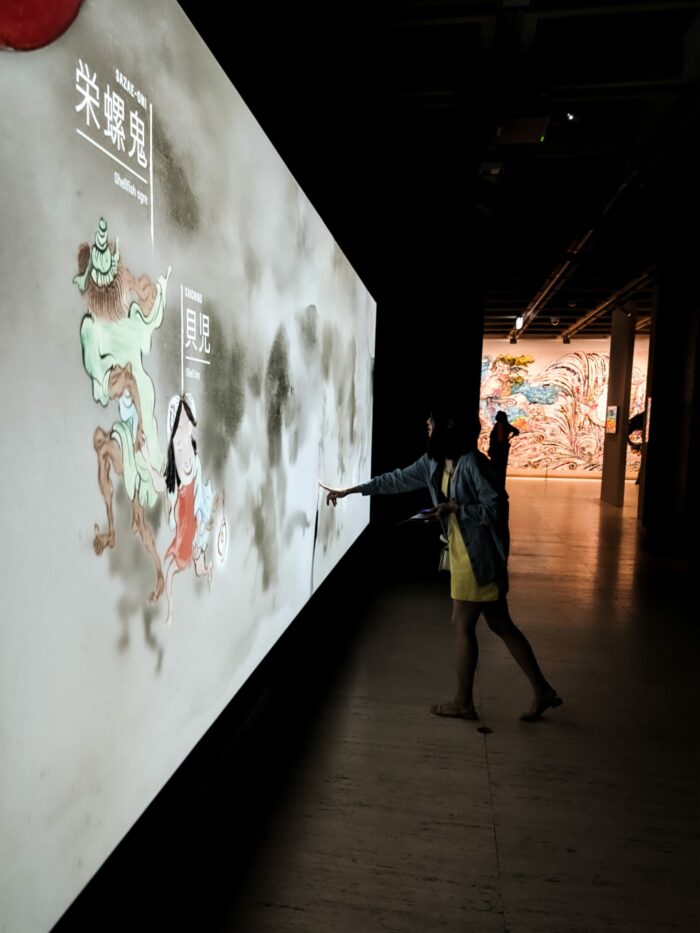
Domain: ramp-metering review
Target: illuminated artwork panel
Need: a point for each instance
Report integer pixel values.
(186, 352)
(556, 395)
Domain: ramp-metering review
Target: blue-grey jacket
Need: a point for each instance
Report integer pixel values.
(483, 508)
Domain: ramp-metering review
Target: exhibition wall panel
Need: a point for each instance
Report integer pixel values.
(556, 394)
(186, 352)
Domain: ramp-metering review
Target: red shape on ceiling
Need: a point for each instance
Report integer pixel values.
(31, 24)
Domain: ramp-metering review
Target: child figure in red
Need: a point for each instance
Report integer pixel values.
(191, 501)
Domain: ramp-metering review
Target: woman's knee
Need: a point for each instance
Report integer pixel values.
(464, 614)
(498, 618)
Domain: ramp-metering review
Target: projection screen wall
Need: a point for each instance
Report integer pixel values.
(185, 353)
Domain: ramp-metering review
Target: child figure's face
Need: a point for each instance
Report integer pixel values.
(183, 450)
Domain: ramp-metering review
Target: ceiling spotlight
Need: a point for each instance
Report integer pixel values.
(571, 117)
(555, 321)
(519, 322)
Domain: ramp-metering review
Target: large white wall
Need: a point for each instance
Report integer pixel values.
(266, 326)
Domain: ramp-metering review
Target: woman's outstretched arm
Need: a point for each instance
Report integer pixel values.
(407, 479)
(335, 494)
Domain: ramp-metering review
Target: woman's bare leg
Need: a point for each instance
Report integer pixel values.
(499, 621)
(464, 618)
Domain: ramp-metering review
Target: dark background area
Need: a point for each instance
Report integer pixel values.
(476, 161)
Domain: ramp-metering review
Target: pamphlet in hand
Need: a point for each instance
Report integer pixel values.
(425, 515)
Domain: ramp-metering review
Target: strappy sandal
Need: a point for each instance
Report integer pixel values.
(551, 701)
(453, 712)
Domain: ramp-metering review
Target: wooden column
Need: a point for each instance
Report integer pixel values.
(619, 383)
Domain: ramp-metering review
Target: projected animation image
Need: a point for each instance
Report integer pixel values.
(115, 334)
(191, 502)
(214, 350)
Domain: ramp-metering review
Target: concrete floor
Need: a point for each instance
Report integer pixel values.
(343, 806)
(391, 819)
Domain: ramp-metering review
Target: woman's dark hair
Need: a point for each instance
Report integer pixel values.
(171, 478)
(453, 434)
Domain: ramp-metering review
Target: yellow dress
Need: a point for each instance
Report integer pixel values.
(463, 583)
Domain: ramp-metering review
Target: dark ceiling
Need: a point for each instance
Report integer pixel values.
(504, 155)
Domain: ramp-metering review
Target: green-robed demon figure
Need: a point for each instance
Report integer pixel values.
(123, 312)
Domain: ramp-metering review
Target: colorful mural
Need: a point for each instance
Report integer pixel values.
(556, 397)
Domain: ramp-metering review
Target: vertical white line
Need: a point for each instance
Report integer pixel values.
(150, 108)
(182, 341)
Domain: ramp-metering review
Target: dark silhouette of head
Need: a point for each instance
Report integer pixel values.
(452, 434)
(501, 417)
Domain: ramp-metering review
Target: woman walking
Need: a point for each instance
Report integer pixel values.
(472, 506)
